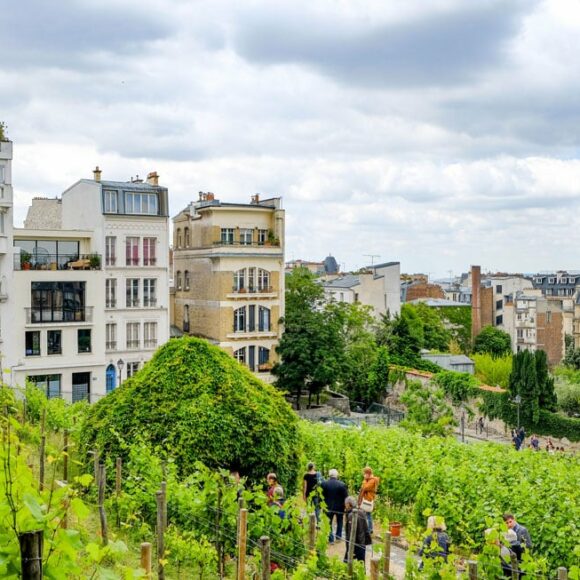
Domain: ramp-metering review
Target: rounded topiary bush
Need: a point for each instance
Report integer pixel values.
(198, 404)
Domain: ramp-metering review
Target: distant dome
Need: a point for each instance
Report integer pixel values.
(330, 265)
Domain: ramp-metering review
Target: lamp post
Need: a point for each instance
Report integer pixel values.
(518, 402)
(462, 424)
(120, 365)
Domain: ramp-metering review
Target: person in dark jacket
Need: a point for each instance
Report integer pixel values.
(362, 535)
(334, 493)
(436, 543)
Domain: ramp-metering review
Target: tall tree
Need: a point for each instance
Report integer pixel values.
(493, 341)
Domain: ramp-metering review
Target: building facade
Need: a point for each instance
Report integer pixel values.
(229, 276)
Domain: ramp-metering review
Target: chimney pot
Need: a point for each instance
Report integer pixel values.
(97, 173)
(153, 178)
(256, 198)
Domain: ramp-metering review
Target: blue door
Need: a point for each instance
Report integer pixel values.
(111, 378)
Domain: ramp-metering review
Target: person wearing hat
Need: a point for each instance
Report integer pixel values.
(436, 543)
(334, 493)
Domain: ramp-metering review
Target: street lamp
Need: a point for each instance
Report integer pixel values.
(462, 424)
(518, 402)
(120, 365)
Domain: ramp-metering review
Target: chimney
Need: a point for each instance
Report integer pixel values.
(153, 178)
(255, 199)
(137, 180)
(97, 173)
(210, 196)
(475, 301)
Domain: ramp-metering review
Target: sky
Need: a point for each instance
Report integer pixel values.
(439, 134)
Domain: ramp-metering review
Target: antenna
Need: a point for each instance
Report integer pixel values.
(372, 257)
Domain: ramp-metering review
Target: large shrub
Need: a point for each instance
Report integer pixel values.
(196, 403)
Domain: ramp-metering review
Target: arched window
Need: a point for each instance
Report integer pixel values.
(186, 238)
(179, 241)
(263, 319)
(240, 319)
(240, 280)
(178, 281)
(111, 378)
(263, 280)
(186, 318)
(186, 280)
(240, 355)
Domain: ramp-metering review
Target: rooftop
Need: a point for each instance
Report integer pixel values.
(348, 281)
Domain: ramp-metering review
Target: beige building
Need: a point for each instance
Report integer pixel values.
(228, 271)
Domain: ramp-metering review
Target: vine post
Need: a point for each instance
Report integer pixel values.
(102, 480)
(118, 474)
(375, 562)
(387, 556)
(164, 492)
(265, 552)
(472, 569)
(352, 540)
(146, 559)
(311, 532)
(31, 544)
(42, 450)
(514, 565)
(160, 536)
(218, 542)
(242, 539)
(562, 573)
(65, 456)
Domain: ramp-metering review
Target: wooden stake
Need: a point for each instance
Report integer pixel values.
(118, 473)
(352, 540)
(311, 532)
(472, 569)
(164, 491)
(265, 550)
(146, 559)
(96, 466)
(387, 556)
(65, 456)
(218, 540)
(41, 462)
(242, 539)
(562, 573)
(102, 515)
(375, 568)
(160, 536)
(514, 564)
(31, 544)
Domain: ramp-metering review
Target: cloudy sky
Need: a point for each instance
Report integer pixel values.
(440, 134)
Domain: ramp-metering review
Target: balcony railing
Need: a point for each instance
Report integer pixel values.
(111, 303)
(38, 261)
(149, 302)
(38, 315)
(133, 303)
(253, 290)
(131, 261)
(149, 261)
(238, 243)
(150, 343)
(111, 260)
(111, 345)
(132, 344)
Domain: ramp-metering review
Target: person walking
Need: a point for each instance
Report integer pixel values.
(310, 483)
(436, 543)
(367, 495)
(362, 537)
(524, 539)
(334, 494)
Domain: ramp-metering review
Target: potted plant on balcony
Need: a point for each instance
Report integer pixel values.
(95, 262)
(25, 260)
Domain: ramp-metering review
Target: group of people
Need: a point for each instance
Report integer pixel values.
(340, 506)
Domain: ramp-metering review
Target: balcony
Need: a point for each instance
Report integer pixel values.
(132, 303)
(132, 344)
(254, 292)
(149, 261)
(111, 345)
(111, 303)
(150, 302)
(27, 261)
(274, 244)
(150, 343)
(38, 315)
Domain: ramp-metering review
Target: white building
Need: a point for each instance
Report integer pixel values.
(378, 286)
(91, 282)
(6, 251)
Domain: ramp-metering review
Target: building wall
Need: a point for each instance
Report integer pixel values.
(6, 249)
(487, 299)
(424, 290)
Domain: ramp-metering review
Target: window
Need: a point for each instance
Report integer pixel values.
(186, 318)
(132, 368)
(239, 279)
(150, 334)
(240, 355)
(1, 222)
(110, 378)
(520, 333)
(498, 289)
(111, 336)
(141, 203)
(110, 250)
(33, 343)
(178, 283)
(149, 250)
(44, 253)
(132, 251)
(186, 280)
(111, 293)
(262, 237)
(81, 387)
(227, 236)
(179, 239)
(499, 320)
(252, 279)
(263, 355)
(54, 342)
(499, 304)
(551, 280)
(84, 339)
(57, 302)
(150, 292)
(240, 319)
(110, 201)
(186, 238)
(132, 293)
(133, 335)
(263, 280)
(1, 173)
(263, 319)
(548, 317)
(246, 237)
(49, 384)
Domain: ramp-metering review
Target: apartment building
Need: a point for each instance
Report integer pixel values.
(378, 285)
(229, 276)
(6, 251)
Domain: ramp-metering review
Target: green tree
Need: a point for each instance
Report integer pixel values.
(435, 335)
(493, 341)
(3, 128)
(547, 395)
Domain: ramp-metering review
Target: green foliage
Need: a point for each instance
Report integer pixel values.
(3, 128)
(433, 334)
(567, 388)
(492, 370)
(470, 486)
(457, 320)
(493, 341)
(572, 354)
(458, 386)
(196, 403)
(427, 411)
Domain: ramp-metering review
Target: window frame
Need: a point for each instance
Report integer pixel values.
(55, 332)
(87, 334)
(35, 348)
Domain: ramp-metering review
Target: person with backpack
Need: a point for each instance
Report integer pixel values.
(367, 495)
(436, 543)
(362, 537)
(334, 494)
(310, 486)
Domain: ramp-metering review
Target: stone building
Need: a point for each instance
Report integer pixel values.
(229, 276)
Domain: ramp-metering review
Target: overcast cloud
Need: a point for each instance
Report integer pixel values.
(439, 134)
